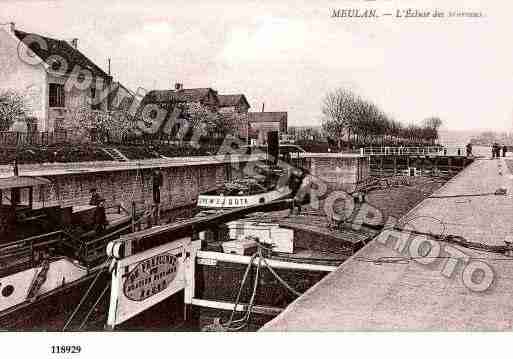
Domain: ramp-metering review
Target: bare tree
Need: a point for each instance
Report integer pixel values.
(363, 123)
(432, 122)
(347, 114)
(431, 127)
(340, 108)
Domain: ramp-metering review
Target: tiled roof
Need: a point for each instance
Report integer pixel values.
(194, 95)
(164, 99)
(161, 96)
(231, 100)
(185, 95)
(267, 116)
(62, 48)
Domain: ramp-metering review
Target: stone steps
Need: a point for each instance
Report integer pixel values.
(115, 154)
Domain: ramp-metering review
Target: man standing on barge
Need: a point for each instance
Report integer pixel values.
(157, 182)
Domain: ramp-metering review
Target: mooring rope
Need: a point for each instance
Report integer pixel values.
(82, 300)
(239, 324)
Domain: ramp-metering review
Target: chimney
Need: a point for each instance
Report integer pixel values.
(74, 43)
(178, 86)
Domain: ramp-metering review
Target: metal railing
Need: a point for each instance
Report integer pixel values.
(413, 151)
(10, 138)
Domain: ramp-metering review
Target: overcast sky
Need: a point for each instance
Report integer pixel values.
(290, 54)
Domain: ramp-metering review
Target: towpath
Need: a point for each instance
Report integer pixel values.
(389, 285)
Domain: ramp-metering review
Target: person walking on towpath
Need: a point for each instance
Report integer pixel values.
(469, 149)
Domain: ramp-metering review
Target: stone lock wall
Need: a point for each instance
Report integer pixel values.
(182, 183)
(181, 186)
(342, 172)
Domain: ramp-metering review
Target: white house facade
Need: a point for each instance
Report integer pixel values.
(53, 75)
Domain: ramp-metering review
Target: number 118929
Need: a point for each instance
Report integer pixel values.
(66, 349)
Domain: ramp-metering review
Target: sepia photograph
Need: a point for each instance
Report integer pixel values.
(277, 168)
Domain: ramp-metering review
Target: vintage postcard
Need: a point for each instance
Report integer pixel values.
(241, 166)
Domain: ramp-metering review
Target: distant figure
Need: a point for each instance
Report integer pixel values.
(469, 149)
(497, 150)
(16, 195)
(504, 150)
(157, 182)
(495, 147)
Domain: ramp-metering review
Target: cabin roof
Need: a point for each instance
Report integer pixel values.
(22, 181)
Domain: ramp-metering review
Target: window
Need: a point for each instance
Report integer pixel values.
(7, 290)
(95, 104)
(57, 95)
(59, 124)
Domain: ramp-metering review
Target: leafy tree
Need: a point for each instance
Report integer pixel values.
(12, 107)
(204, 122)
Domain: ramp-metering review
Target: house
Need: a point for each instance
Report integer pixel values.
(204, 96)
(55, 77)
(121, 98)
(235, 109)
(159, 108)
(259, 123)
(233, 103)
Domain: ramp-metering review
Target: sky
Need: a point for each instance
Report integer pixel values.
(289, 54)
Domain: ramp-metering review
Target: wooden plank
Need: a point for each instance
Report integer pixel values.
(233, 258)
(257, 309)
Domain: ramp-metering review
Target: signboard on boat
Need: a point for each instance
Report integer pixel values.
(151, 277)
(142, 280)
(220, 201)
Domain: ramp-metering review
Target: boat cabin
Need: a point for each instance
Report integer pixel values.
(18, 191)
(21, 217)
(16, 205)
